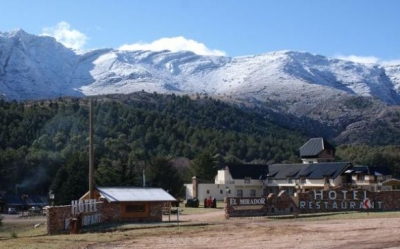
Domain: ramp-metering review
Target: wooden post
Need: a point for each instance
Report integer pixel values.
(91, 152)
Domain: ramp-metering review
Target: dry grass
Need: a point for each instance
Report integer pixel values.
(29, 237)
(22, 228)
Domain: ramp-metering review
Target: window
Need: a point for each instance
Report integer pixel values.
(208, 191)
(290, 180)
(252, 193)
(137, 208)
(247, 180)
(239, 193)
(221, 191)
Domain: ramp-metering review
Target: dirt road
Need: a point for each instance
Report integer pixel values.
(270, 233)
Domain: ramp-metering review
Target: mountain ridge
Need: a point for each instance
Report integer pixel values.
(345, 97)
(106, 71)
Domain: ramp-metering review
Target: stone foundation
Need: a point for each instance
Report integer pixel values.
(272, 205)
(318, 201)
(58, 216)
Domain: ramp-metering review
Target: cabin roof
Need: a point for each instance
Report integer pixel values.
(134, 194)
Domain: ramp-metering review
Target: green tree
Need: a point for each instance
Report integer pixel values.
(204, 166)
(71, 181)
(162, 173)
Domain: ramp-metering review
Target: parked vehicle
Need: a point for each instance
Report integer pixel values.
(12, 211)
(210, 203)
(35, 210)
(192, 202)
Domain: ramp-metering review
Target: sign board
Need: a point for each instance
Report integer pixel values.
(86, 208)
(339, 200)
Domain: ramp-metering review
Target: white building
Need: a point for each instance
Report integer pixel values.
(318, 171)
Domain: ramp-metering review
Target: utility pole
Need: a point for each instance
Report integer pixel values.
(91, 152)
(144, 179)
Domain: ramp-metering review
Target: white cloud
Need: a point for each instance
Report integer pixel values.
(63, 33)
(174, 44)
(359, 59)
(368, 60)
(391, 63)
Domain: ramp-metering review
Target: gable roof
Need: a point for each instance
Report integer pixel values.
(314, 146)
(254, 171)
(283, 171)
(134, 194)
(321, 170)
(37, 200)
(13, 200)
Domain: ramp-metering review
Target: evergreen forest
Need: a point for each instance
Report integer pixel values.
(144, 138)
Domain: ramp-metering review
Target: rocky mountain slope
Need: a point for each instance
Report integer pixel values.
(343, 96)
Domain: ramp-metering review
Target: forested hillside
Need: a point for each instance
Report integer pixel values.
(44, 145)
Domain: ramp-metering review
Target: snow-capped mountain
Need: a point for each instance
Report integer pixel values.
(36, 67)
(298, 90)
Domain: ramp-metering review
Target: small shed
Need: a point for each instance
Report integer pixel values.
(139, 204)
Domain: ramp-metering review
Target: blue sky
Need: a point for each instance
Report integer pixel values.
(363, 30)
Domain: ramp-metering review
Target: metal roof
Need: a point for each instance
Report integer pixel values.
(283, 171)
(321, 170)
(134, 194)
(314, 146)
(254, 171)
(311, 171)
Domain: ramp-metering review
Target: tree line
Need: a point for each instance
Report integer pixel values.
(165, 139)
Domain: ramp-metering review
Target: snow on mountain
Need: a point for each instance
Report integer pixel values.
(283, 75)
(34, 67)
(393, 73)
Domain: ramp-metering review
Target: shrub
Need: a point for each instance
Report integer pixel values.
(14, 235)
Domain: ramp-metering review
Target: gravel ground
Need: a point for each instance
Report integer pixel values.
(269, 233)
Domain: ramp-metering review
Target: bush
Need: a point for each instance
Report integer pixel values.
(14, 235)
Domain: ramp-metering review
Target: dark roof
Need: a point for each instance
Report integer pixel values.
(321, 170)
(369, 170)
(37, 200)
(13, 200)
(314, 146)
(254, 171)
(283, 171)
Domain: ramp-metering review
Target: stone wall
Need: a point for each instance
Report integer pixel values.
(59, 216)
(265, 206)
(56, 217)
(318, 201)
(348, 200)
